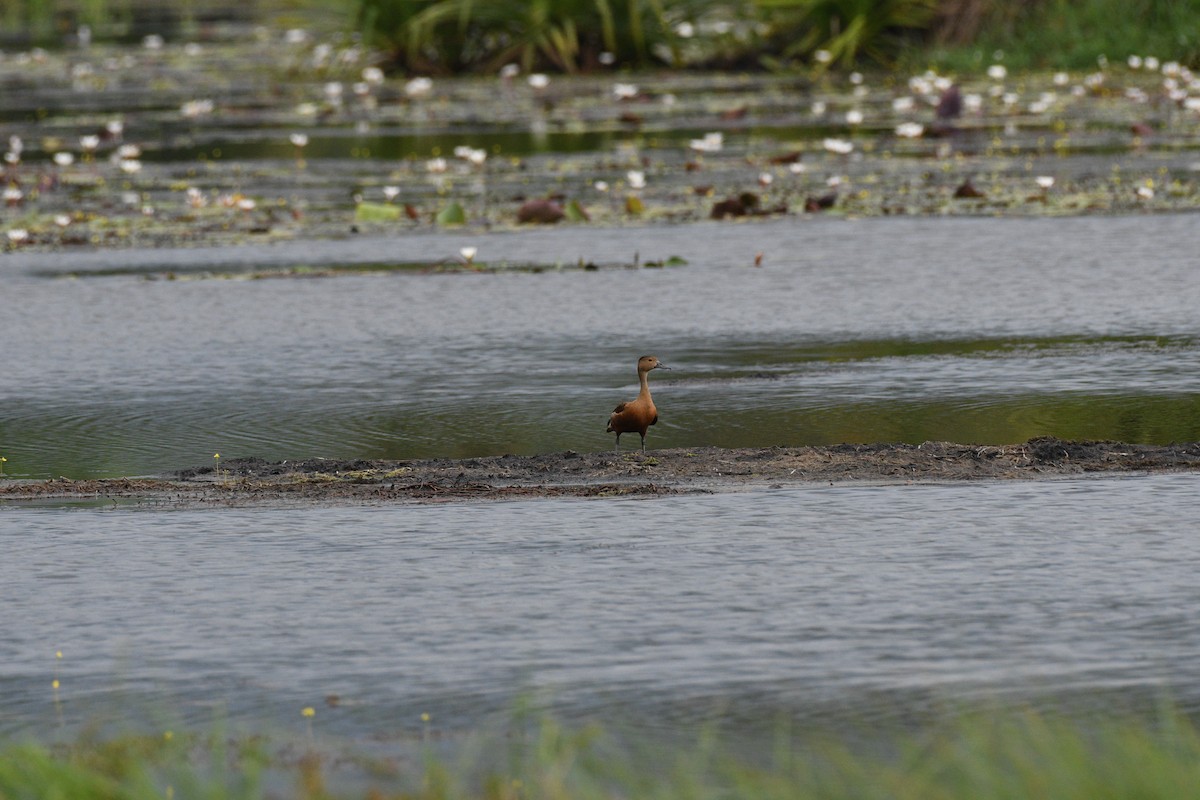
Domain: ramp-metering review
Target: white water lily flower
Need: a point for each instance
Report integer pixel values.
(822, 56)
(600, 186)
(910, 130)
(372, 75)
(17, 235)
(1134, 62)
(64, 159)
(196, 108)
(1045, 181)
(711, 143)
(419, 87)
(298, 139)
(62, 220)
(391, 192)
(89, 143)
(625, 91)
(839, 147)
(1145, 193)
(997, 72)
(436, 165)
(468, 253)
(637, 179)
(539, 80)
(902, 105)
(854, 117)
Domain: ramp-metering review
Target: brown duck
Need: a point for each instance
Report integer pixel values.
(639, 414)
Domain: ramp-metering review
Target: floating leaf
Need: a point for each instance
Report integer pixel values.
(634, 205)
(377, 212)
(576, 212)
(452, 214)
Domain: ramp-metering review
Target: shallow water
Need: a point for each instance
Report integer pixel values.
(970, 330)
(832, 603)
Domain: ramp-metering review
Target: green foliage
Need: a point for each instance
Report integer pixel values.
(566, 35)
(848, 30)
(1061, 34)
(983, 755)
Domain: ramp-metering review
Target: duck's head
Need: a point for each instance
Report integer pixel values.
(647, 363)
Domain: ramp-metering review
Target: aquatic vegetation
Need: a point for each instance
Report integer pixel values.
(654, 150)
(978, 754)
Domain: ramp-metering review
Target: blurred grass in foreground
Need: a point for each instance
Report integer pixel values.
(980, 755)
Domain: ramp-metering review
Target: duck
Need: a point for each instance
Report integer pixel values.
(638, 414)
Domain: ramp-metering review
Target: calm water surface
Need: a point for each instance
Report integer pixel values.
(975, 330)
(816, 602)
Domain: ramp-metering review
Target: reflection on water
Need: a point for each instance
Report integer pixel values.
(964, 330)
(812, 601)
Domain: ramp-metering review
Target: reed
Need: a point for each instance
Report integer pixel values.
(979, 755)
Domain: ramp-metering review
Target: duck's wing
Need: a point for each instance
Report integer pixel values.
(655, 420)
(620, 408)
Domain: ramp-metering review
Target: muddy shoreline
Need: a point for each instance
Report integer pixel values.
(255, 482)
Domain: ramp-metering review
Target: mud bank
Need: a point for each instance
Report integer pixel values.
(248, 482)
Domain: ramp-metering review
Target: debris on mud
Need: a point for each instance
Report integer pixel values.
(252, 482)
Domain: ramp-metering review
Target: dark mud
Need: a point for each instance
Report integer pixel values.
(254, 482)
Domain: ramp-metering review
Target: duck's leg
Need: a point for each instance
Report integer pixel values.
(617, 448)
(643, 444)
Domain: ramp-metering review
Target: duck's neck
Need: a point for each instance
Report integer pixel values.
(645, 383)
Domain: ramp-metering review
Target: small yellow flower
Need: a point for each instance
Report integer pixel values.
(424, 717)
(168, 735)
(54, 684)
(58, 653)
(309, 712)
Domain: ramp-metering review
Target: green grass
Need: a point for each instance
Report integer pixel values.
(1066, 34)
(454, 36)
(979, 756)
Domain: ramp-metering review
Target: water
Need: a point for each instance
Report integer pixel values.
(971, 330)
(823, 603)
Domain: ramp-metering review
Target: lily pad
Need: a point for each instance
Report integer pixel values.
(452, 214)
(377, 212)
